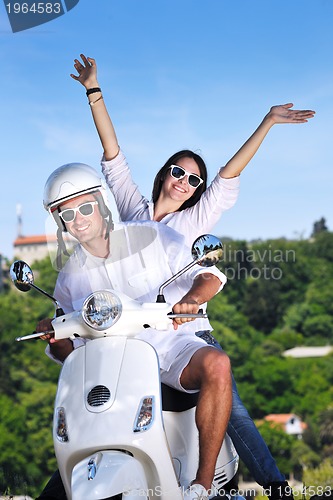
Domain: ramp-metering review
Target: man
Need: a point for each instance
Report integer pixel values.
(137, 258)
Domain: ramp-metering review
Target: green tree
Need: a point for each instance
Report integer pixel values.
(280, 274)
(326, 426)
(27, 390)
(237, 266)
(319, 480)
(280, 445)
(302, 458)
(319, 227)
(286, 337)
(321, 246)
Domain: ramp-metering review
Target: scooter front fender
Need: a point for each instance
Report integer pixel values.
(107, 473)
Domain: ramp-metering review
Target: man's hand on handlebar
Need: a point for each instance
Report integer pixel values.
(184, 306)
(45, 325)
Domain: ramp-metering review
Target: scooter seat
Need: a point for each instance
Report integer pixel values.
(173, 400)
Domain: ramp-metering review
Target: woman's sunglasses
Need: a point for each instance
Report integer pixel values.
(86, 209)
(179, 173)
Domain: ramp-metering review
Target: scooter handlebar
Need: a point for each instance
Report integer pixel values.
(35, 335)
(199, 314)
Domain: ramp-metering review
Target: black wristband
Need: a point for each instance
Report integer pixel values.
(93, 90)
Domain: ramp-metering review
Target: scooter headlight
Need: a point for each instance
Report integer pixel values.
(101, 310)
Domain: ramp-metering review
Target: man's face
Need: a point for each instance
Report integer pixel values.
(88, 224)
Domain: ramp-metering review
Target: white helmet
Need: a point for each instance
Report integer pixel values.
(69, 181)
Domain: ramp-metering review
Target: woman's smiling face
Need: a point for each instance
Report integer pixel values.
(179, 189)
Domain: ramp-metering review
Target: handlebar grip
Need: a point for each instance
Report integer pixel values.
(34, 335)
(199, 314)
(190, 314)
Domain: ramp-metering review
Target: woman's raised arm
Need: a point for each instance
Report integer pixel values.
(87, 76)
(277, 114)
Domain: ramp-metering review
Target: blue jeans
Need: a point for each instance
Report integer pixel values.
(247, 440)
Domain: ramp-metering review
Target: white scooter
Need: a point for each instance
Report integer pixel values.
(118, 434)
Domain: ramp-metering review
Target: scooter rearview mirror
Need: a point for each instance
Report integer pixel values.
(21, 275)
(207, 250)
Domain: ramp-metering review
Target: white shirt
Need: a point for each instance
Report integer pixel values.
(192, 222)
(142, 257)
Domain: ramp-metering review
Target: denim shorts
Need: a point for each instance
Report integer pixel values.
(172, 376)
(208, 338)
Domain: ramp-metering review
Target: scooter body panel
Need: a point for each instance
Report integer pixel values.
(129, 369)
(126, 474)
(183, 439)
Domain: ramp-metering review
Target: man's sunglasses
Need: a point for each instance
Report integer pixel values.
(86, 209)
(179, 173)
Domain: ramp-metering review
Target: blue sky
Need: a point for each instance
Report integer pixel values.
(175, 74)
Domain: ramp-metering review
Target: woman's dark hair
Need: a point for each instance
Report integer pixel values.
(160, 176)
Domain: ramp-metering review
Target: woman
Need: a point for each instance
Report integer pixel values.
(182, 200)
(178, 199)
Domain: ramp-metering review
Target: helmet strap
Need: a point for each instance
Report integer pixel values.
(105, 213)
(109, 223)
(61, 250)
